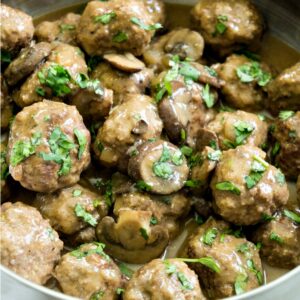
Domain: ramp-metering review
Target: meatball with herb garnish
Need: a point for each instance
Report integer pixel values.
(94, 272)
(228, 25)
(245, 186)
(164, 279)
(280, 239)
(234, 266)
(71, 209)
(29, 246)
(52, 150)
(238, 128)
(287, 143)
(245, 80)
(116, 26)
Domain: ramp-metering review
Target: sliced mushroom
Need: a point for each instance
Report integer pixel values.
(207, 137)
(160, 165)
(93, 103)
(28, 59)
(132, 239)
(125, 62)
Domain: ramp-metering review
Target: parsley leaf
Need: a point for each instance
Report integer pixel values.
(144, 233)
(87, 217)
(142, 25)
(250, 72)
(206, 261)
(276, 238)
(143, 186)
(97, 295)
(153, 221)
(240, 284)
(228, 186)
(214, 156)
(188, 71)
(66, 27)
(258, 168)
(81, 138)
(220, 26)
(208, 97)
(280, 178)
(209, 236)
(187, 151)
(295, 217)
(252, 268)
(286, 114)
(193, 183)
(120, 37)
(40, 91)
(125, 270)
(85, 83)
(243, 248)
(79, 253)
(186, 285)
(105, 18)
(242, 131)
(170, 268)
(76, 193)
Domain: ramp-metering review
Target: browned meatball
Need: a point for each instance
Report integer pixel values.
(284, 90)
(244, 82)
(89, 273)
(182, 42)
(52, 150)
(16, 29)
(6, 106)
(245, 186)
(115, 25)
(238, 260)
(26, 62)
(167, 211)
(62, 30)
(121, 82)
(55, 78)
(164, 280)
(71, 209)
(280, 240)
(287, 136)
(238, 128)
(228, 25)
(135, 119)
(29, 246)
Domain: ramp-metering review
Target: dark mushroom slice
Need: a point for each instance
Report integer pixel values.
(93, 102)
(161, 166)
(27, 61)
(207, 137)
(131, 239)
(125, 62)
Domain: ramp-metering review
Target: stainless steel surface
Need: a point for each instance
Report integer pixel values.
(283, 18)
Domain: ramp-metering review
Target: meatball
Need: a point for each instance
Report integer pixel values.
(245, 187)
(280, 240)
(28, 59)
(238, 128)
(182, 42)
(163, 279)
(121, 82)
(6, 106)
(71, 209)
(29, 246)
(135, 119)
(94, 273)
(16, 29)
(55, 78)
(62, 30)
(287, 135)
(238, 260)
(115, 25)
(160, 165)
(228, 25)
(52, 150)
(244, 81)
(167, 211)
(298, 189)
(284, 90)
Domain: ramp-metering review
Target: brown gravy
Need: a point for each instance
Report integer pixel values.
(179, 16)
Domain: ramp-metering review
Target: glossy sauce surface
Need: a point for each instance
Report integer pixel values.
(274, 52)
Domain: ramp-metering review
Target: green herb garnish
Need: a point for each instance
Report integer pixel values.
(276, 238)
(81, 138)
(76, 193)
(258, 168)
(206, 261)
(228, 186)
(143, 186)
(286, 114)
(125, 270)
(78, 253)
(186, 285)
(240, 284)
(142, 25)
(208, 97)
(252, 268)
(295, 217)
(220, 27)
(144, 233)
(80, 212)
(66, 27)
(209, 236)
(120, 37)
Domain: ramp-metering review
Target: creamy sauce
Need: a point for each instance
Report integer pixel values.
(274, 52)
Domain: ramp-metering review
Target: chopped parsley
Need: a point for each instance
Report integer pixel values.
(85, 83)
(240, 284)
(295, 217)
(57, 78)
(105, 18)
(187, 151)
(280, 178)
(79, 253)
(77, 193)
(97, 295)
(252, 268)
(275, 149)
(212, 72)
(66, 27)
(276, 238)
(108, 195)
(209, 236)
(214, 156)
(208, 97)
(186, 285)
(267, 218)
(228, 186)
(153, 221)
(143, 186)
(250, 72)
(144, 233)
(80, 212)
(286, 114)
(125, 270)
(143, 26)
(220, 26)
(60, 146)
(206, 261)
(192, 183)
(81, 138)
(198, 219)
(242, 131)
(243, 248)
(119, 291)
(120, 37)
(258, 167)
(40, 91)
